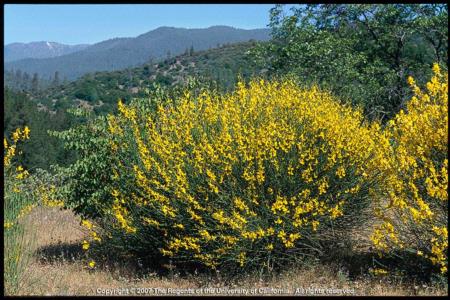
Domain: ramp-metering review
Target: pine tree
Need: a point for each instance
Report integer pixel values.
(18, 79)
(35, 83)
(56, 79)
(25, 84)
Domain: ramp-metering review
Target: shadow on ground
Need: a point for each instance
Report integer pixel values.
(60, 253)
(128, 266)
(401, 264)
(404, 265)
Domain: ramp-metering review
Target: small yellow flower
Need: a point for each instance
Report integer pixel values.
(269, 247)
(16, 135)
(180, 226)
(436, 68)
(26, 132)
(87, 224)
(7, 225)
(92, 264)
(85, 245)
(95, 236)
(378, 272)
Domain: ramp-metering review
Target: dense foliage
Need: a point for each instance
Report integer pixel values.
(362, 52)
(41, 150)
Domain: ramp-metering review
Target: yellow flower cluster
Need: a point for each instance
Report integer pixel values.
(47, 194)
(88, 225)
(378, 272)
(439, 248)
(85, 245)
(7, 224)
(26, 210)
(21, 173)
(120, 214)
(418, 177)
(215, 174)
(10, 150)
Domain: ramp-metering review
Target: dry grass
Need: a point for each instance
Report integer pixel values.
(59, 268)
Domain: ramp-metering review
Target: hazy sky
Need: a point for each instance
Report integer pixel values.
(76, 24)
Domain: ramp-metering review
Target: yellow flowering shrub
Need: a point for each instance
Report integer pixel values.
(255, 176)
(416, 216)
(14, 177)
(18, 202)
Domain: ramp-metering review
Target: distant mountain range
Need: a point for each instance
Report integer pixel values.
(120, 53)
(17, 51)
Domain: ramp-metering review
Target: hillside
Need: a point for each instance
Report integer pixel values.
(101, 90)
(120, 53)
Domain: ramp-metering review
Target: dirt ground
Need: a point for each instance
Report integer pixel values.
(59, 267)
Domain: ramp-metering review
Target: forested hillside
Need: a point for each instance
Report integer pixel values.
(42, 150)
(120, 53)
